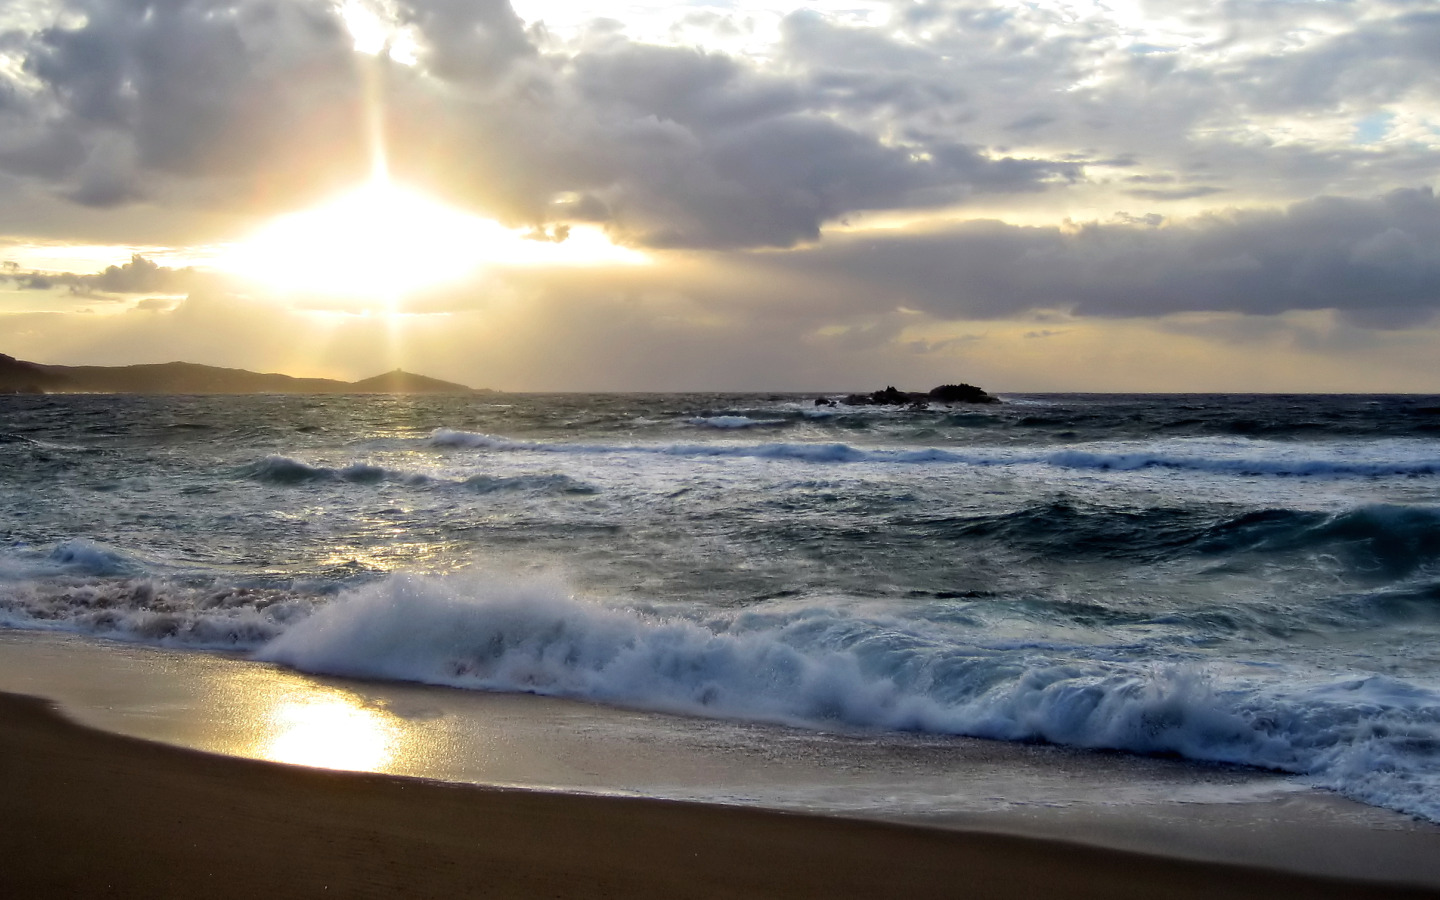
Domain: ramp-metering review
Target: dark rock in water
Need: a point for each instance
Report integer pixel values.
(960, 393)
(824, 401)
(888, 397)
(945, 393)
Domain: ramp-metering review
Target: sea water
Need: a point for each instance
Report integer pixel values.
(1251, 580)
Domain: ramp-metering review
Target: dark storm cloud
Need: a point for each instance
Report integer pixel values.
(676, 147)
(143, 97)
(469, 41)
(1376, 261)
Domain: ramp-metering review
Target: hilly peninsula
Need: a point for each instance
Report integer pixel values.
(21, 377)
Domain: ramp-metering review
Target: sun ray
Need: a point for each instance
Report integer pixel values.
(371, 248)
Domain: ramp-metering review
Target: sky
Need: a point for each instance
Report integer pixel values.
(1137, 195)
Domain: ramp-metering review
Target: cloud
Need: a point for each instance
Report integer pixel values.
(256, 105)
(1376, 261)
(141, 276)
(138, 276)
(222, 103)
(468, 41)
(144, 101)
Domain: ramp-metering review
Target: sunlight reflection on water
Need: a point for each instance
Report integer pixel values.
(330, 731)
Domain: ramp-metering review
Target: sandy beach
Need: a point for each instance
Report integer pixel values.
(86, 813)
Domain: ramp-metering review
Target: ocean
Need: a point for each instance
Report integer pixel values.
(1244, 580)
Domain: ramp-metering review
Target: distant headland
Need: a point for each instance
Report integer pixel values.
(20, 377)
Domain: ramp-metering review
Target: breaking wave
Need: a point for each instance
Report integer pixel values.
(810, 663)
(285, 470)
(87, 588)
(1370, 738)
(1251, 459)
(728, 422)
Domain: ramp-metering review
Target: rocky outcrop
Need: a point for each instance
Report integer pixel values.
(890, 396)
(960, 393)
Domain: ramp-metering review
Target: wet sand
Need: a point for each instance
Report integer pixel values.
(235, 707)
(88, 813)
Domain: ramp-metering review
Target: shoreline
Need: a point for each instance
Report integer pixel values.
(233, 707)
(91, 812)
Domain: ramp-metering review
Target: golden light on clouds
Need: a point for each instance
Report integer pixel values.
(373, 28)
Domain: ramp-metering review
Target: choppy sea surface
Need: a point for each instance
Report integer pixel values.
(1240, 579)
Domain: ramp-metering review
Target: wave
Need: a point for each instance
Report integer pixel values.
(1282, 466)
(1390, 539)
(73, 557)
(730, 422)
(276, 469)
(807, 662)
(1385, 540)
(154, 610)
(447, 437)
(1370, 738)
(1281, 461)
(540, 484)
(285, 470)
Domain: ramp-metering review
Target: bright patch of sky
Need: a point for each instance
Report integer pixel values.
(1374, 128)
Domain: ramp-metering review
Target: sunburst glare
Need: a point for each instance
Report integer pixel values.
(383, 242)
(378, 242)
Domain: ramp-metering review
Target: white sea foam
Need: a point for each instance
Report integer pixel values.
(1249, 458)
(735, 422)
(815, 666)
(448, 437)
(152, 610)
(807, 662)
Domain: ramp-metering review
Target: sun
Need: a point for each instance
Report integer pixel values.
(377, 242)
(381, 243)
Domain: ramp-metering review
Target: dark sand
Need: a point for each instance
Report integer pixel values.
(87, 813)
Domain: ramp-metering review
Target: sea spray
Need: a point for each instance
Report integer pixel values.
(814, 667)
